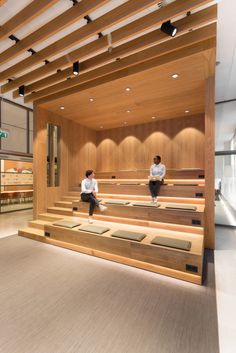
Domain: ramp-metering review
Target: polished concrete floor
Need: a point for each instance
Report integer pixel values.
(225, 273)
(11, 222)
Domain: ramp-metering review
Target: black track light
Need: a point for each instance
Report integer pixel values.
(21, 91)
(76, 68)
(169, 29)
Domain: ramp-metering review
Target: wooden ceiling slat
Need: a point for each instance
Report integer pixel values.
(111, 18)
(155, 51)
(190, 22)
(34, 9)
(170, 57)
(147, 22)
(2, 2)
(65, 19)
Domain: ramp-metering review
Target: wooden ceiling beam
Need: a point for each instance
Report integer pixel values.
(145, 55)
(194, 21)
(79, 10)
(153, 20)
(109, 19)
(34, 9)
(164, 59)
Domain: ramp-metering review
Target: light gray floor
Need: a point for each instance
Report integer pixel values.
(11, 222)
(225, 272)
(224, 215)
(58, 301)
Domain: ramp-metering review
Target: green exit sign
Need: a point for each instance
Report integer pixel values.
(4, 133)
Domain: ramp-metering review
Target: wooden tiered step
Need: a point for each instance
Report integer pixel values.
(192, 188)
(67, 200)
(188, 173)
(182, 264)
(158, 214)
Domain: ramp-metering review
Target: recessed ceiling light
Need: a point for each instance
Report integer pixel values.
(175, 76)
(127, 111)
(62, 108)
(91, 99)
(186, 111)
(125, 122)
(101, 127)
(153, 117)
(128, 89)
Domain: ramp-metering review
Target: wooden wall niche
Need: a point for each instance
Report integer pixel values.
(180, 142)
(78, 151)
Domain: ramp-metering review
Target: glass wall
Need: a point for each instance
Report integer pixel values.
(225, 164)
(17, 120)
(16, 157)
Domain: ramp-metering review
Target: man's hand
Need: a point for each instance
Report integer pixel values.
(94, 194)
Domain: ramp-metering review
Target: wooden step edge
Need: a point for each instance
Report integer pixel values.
(144, 223)
(60, 210)
(49, 217)
(38, 223)
(31, 233)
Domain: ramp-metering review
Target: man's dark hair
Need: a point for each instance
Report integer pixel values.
(158, 157)
(88, 172)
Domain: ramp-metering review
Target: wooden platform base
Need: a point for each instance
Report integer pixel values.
(171, 262)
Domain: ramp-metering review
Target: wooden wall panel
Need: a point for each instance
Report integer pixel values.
(180, 142)
(82, 151)
(78, 152)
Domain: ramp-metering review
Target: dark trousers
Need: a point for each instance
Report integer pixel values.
(92, 201)
(154, 187)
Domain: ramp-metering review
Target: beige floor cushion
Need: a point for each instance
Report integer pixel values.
(125, 234)
(66, 224)
(172, 243)
(146, 204)
(116, 202)
(181, 207)
(92, 228)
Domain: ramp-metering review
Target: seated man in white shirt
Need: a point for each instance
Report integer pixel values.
(89, 189)
(157, 173)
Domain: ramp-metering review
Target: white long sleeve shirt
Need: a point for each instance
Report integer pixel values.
(158, 170)
(89, 185)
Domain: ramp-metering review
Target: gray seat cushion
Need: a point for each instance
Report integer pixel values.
(125, 234)
(145, 204)
(181, 207)
(116, 202)
(172, 243)
(91, 228)
(66, 224)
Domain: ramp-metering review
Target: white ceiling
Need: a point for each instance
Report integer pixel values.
(226, 50)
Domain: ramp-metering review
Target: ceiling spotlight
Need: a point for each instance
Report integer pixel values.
(62, 108)
(91, 99)
(186, 111)
(125, 122)
(127, 111)
(175, 76)
(169, 29)
(101, 127)
(21, 91)
(153, 117)
(128, 89)
(76, 68)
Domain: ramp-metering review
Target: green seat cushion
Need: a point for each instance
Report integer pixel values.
(116, 202)
(125, 234)
(66, 224)
(91, 228)
(146, 204)
(172, 243)
(181, 207)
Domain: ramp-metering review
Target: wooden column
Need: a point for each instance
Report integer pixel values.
(210, 162)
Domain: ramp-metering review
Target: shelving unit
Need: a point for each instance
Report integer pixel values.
(16, 186)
